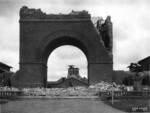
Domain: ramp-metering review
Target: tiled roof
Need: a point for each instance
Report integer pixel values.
(5, 65)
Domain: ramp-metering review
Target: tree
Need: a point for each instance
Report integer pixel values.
(128, 81)
(146, 80)
(135, 67)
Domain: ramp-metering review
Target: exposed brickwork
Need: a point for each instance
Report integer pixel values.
(39, 37)
(100, 72)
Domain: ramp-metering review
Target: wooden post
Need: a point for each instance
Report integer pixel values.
(112, 100)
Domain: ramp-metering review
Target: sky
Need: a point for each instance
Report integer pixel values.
(131, 35)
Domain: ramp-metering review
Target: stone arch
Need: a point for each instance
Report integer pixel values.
(40, 34)
(56, 39)
(61, 38)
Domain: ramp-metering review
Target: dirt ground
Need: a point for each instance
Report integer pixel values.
(57, 106)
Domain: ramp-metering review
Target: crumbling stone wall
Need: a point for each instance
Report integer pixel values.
(105, 30)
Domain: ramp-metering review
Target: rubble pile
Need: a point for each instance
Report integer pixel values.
(71, 91)
(92, 90)
(104, 86)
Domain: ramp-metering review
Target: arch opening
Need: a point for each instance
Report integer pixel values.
(62, 73)
(59, 61)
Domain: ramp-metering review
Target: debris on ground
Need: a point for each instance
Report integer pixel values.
(92, 90)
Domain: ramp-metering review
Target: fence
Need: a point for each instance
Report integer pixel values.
(126, 94)
(10, 94)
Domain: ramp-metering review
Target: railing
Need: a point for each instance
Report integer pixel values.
(10, 94)
(126, 94)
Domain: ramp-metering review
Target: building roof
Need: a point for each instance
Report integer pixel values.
(5, 65)
(58, 82)
(75, 79)
(139, 62)
(145, 59)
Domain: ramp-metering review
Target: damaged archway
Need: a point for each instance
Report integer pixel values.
(40, 34)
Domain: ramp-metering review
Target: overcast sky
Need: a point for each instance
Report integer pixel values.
(131, 28)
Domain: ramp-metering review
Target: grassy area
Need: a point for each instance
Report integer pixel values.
(131, 105)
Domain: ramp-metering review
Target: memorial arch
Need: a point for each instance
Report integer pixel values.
(41, 33)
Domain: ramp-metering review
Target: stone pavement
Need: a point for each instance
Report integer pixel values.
(57, 106)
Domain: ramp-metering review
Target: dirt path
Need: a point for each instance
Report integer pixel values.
(57, 106)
